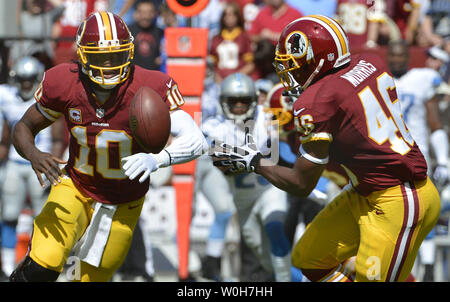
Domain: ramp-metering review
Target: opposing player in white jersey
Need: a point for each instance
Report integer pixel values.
(20, 180)
(261, 207)
(417, 92)
(213, 185)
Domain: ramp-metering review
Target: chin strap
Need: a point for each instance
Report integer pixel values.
(91, 77)
(313, 75)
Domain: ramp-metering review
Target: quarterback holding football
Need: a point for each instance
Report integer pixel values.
(96, 200)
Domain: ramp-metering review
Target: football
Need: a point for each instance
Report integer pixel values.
(149, 120)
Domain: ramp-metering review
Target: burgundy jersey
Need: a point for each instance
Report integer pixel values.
(100, 135)
(357, 110)
(231, 50)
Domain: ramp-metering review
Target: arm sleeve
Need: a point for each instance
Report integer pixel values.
(439, 142)
(188, 143)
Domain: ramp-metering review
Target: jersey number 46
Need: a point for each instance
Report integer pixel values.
(384, 125)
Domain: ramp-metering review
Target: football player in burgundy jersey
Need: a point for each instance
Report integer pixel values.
(96, 200)
(347, 113)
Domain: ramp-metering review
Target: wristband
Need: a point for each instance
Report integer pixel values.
(163, 158)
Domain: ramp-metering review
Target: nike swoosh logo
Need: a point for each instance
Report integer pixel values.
(130, 207)
(296, 112)
(169, 84)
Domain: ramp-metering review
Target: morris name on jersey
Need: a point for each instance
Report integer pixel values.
(359, 73)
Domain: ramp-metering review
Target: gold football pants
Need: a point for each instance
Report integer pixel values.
(64, 219)
(384, 230)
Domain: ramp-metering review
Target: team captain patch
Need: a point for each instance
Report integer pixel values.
(75, 115)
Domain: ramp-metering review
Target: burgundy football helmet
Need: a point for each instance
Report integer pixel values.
(279, 106)
(308, 48)
(105, 48)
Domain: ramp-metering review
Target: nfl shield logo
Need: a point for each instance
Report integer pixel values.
(100, 112)
(330, 56)
(184, 44)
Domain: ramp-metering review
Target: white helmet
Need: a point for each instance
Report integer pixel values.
(27, 74)
(238, 87)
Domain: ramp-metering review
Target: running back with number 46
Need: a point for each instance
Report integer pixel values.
(357, 111)
(347, 113)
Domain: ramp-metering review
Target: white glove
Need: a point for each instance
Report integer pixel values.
(238, 159)
(440, 174)
(137, 163)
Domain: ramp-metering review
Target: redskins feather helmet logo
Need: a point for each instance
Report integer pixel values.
(297, 44)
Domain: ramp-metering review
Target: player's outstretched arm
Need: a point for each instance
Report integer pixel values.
(438, 141)
(23, 140)
(301, 179)
(188, 144)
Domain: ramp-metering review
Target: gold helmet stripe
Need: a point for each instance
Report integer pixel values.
(331, 31)
(337, 30)
(106, 25)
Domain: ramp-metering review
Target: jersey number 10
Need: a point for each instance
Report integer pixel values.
(102, 144)
(382, 126)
